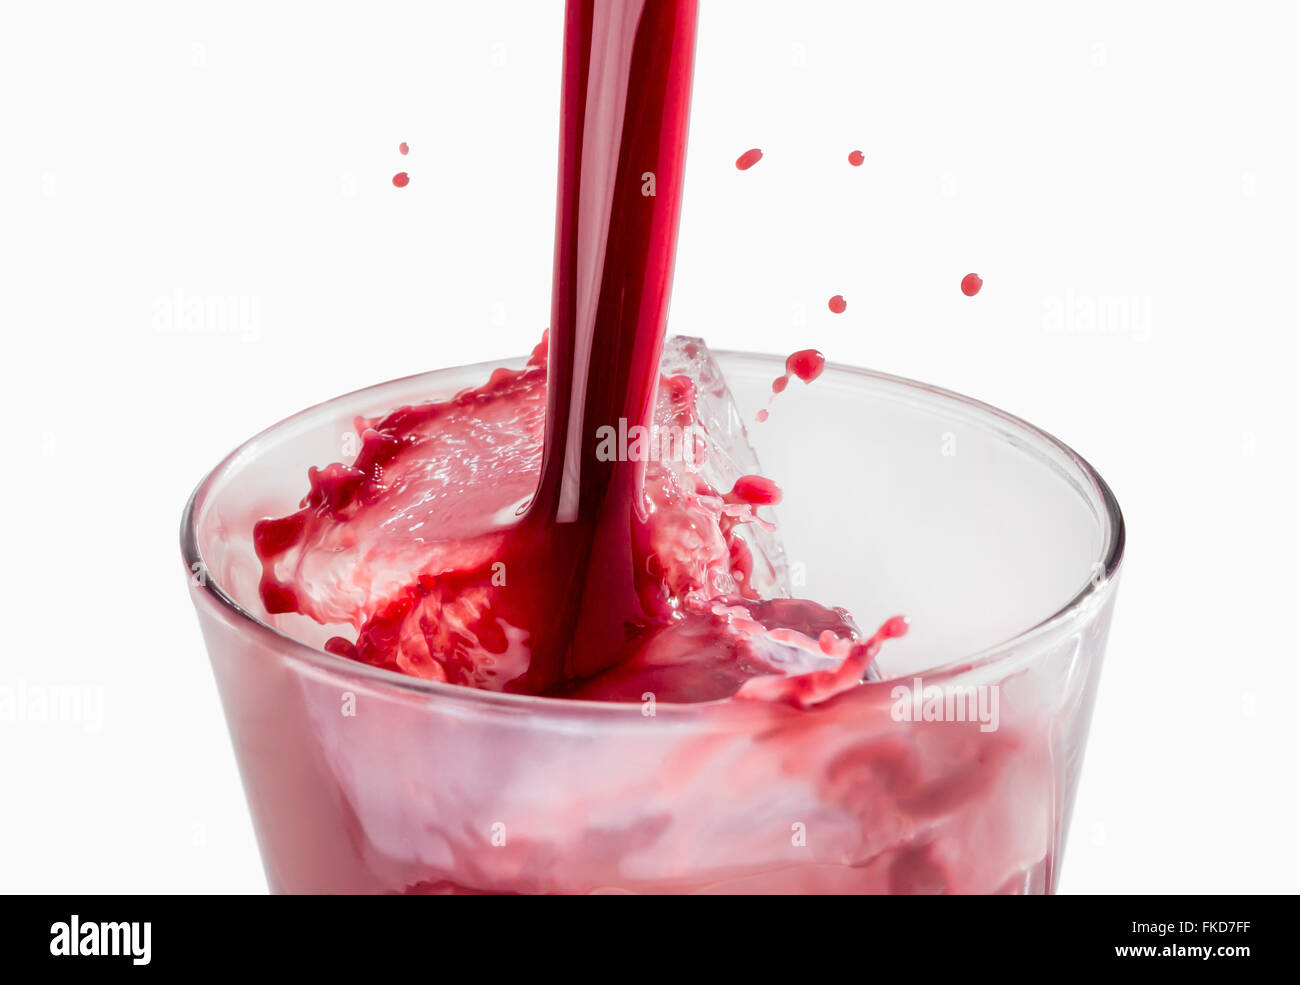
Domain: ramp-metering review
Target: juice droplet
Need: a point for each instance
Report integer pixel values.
(837, 304)
(761, 416)
(748, 159)
(856, 158)
(894, 628)
(402, 148)
(971, 284)
(756, 490)
(807, 364)
(401, 179)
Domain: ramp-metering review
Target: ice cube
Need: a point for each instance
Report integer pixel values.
(726, 454)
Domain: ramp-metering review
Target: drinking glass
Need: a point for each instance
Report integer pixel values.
(954, 772)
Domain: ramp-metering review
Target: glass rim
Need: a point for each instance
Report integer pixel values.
(1098, 583)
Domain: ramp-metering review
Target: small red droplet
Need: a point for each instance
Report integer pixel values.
(402, 148)
(756, 490)
(761, 416)
(971, 284)
(895, 627)
(748, 159)
(837, 304)
(401, 179)
(806, 364)
(856, 158)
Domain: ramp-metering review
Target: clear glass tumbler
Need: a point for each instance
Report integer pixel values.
(955, 772)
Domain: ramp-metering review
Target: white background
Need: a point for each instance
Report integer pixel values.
(1123, 175)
